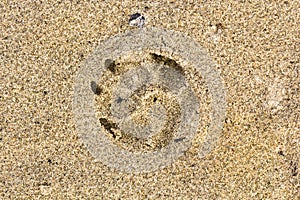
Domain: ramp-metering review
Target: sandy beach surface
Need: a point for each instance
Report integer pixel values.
(256, 48)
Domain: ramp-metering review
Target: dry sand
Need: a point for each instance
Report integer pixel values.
(256, 46)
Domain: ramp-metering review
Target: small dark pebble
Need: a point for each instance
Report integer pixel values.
(280, 153)
(179, 139)
(95, 88)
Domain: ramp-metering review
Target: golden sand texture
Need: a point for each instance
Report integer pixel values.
(256, 45)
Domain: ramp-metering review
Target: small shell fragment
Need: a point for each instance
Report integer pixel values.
(137, 20)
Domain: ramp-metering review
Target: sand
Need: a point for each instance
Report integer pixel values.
(256, 46)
